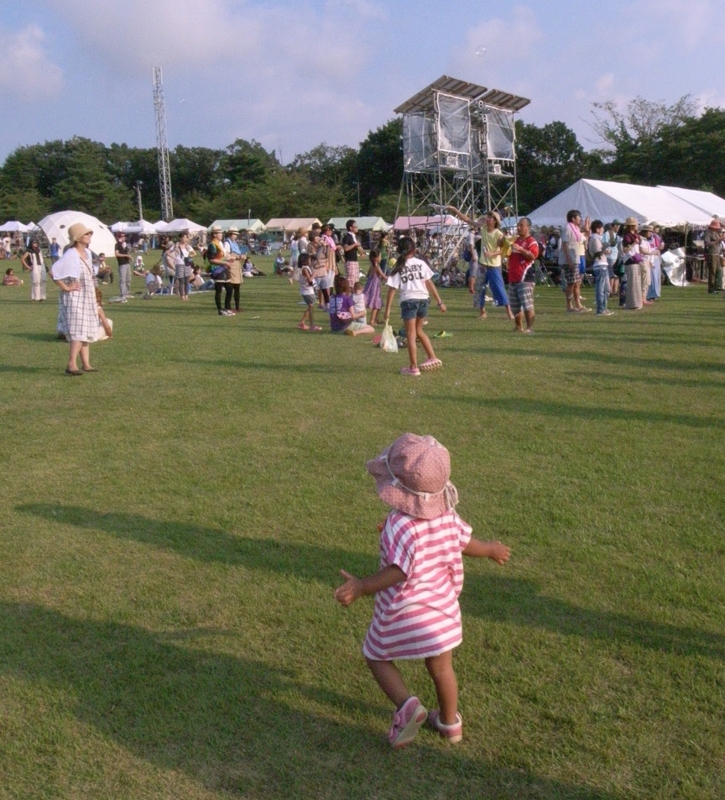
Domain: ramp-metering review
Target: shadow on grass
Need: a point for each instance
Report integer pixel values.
(267, 366)
(608, 358)
(563, 411)
(22, 368)
(519, 602)
(51, 336)
(690, 383)
(509, 600)
(233, 725)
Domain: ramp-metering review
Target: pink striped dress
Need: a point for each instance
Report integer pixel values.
(419, 617)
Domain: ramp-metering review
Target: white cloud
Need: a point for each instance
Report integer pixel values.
(135, 35)
(693, 23)
(26, 72)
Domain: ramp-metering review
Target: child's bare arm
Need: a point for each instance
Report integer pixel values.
(433, 289)
(354, 588)
(494, 550)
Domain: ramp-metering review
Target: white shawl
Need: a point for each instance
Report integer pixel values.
(69, 265)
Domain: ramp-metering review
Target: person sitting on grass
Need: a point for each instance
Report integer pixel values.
(343, 317)
(11, 279)
(104, 273)
(105, 325)
(307, 292)
(154, 281)
(414, 278)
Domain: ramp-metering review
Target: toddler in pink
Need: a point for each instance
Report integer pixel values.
(416, 613)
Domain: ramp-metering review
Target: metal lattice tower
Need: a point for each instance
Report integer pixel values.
(459, 149)
(162, 147)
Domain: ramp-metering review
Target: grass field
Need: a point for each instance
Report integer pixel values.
(172, 528)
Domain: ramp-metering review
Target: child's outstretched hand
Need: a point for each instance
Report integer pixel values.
(500, 553)
(350, 590)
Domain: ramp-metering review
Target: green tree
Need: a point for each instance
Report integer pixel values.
(88, 185)
(632, 138)
(380, 163)
(548, 160)
(247, 162)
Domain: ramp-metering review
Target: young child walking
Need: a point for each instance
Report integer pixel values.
(416, 590)
(414, 279)
(307, 292)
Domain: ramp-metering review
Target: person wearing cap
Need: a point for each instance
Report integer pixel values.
(713, 240)
(416, 613)
(123, 259)
(233, 254)
(77, 309)
(645, 267)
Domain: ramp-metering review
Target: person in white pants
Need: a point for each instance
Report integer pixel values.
(33, 261)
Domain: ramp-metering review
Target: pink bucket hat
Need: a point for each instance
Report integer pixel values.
(413, 474)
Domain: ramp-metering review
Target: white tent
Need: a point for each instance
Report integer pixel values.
(13, 226)
(607, 200)
(180, 226)
(55, 226)
(363, 223)
(119, 227)
(160, 226)
(291, 224)
(706, 201)
(251, 225)
(140, 227)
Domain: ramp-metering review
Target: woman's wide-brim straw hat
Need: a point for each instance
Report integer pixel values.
(646, 227)
(413, 476)
(76, 231)
(715, 225)
(216, 229)
(631, 221)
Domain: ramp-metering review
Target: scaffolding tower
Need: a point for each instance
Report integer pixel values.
(459, 149)
(162, 147)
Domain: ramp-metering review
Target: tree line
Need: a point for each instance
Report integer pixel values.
(646, 142)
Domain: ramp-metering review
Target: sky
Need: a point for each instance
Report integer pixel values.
(292, 75)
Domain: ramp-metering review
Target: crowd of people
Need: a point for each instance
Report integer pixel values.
(624, 259)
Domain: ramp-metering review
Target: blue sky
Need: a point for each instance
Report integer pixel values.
(294, 74)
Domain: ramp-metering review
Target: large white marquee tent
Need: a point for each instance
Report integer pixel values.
(608, 200)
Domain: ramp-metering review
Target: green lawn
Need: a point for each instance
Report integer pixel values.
(172, 528)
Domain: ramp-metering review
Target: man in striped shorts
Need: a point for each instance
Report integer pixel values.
(351, 247)
(524, 251)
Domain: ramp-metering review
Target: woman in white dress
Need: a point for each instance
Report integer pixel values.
(33, 261)
(78, 312)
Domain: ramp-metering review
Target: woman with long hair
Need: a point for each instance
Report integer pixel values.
(33, 261)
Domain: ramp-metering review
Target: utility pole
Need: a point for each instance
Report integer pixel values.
(162, 147)
(139, 184)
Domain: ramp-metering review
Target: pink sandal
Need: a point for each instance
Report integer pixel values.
(454, 732)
